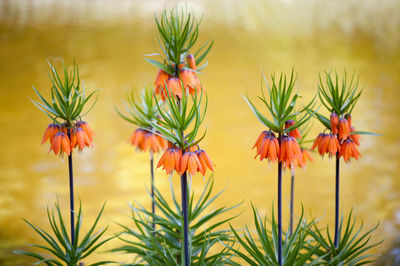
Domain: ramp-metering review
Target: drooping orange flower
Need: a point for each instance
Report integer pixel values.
(267, 146)
(334, 123)
(333, 145)
(190, 163)
(86, 128)
(170, 160)
(145, 140)
(159, 83)
(294, 133)
(163, 142)
(50, 132)
(355, 137)
(317, 141)
(344, 129)
(175, 88)
(305, 156)
(290, 151)
(80, 138)
(190, 81)
(191, 62)
(349, 150)
(60, 144)
(328, 144)
(205, 162)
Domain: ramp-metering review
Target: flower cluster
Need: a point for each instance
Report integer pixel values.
(340, 141)
(285, 147)
(186, 80)
(193, 161)
(146, 140)
(288, 151)
(81, 136)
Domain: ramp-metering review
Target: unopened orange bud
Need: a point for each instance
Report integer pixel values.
(348, 117)
(191, 61)
(334, 123)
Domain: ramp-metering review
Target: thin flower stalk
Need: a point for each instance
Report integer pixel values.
(285, 148)
(301, 136)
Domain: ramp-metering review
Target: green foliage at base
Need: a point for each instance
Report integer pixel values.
(60, 247)
(352, 244)
(162, 245)
(263, 250)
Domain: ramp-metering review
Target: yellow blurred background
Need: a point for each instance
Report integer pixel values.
(108, 40)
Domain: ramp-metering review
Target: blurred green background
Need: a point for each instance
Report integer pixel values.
(108, 40)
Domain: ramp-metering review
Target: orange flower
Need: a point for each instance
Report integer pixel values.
(349, 150)
(294, 133)
(344, 129)
(205, 162)
(61, 144)
(190, 81)
(328, 144)
(159, 83)
(267, 146)
(50, 132)
(191, 62)
(86, 128)
(163, 142)
(348, 117)
(317, 141)
(145, 140)
(305, 155)
(334, 123)
(355, 137)
(174, 86)
(333, 145)
(290, 151)
(170, 160)
(79, 138)
(190, 163)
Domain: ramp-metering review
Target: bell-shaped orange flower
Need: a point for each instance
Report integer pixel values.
(61, 144)
(317, 141)
(50, 132)
(163, 142)
(355, 137)
(305, 156)
(190, 81)
(205, 162)
(344, 129)
(294, 133)
(85, 126)
(349, 150)
(267, 146)
(328, 144)
(334, 123)
(190, 163)
(290, 151)
(80, 138)
(191, 62)
(159, 83)
(170, 160)
(145, 140)
(175, 87)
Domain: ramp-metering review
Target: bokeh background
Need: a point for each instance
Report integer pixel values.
(108, 40)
